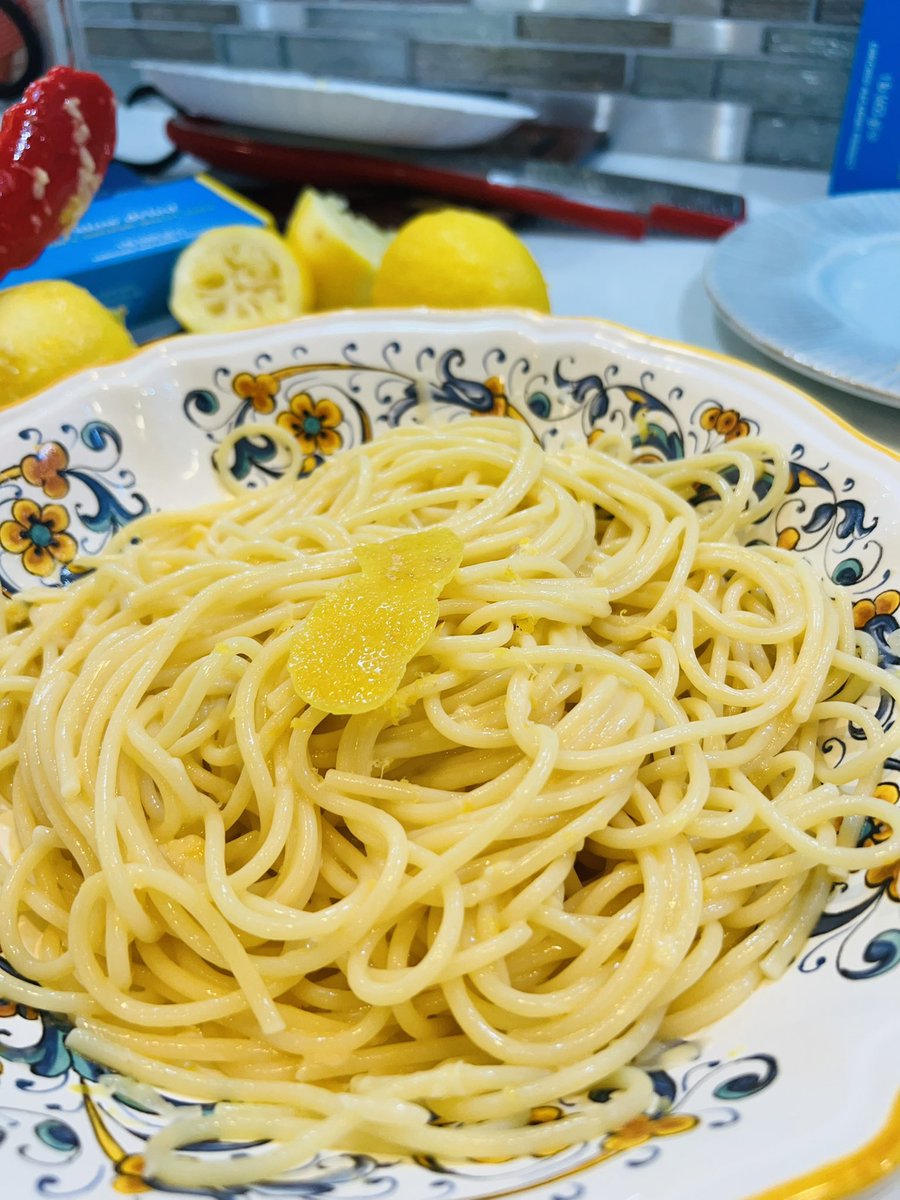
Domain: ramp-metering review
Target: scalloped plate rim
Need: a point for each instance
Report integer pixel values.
(815, 358)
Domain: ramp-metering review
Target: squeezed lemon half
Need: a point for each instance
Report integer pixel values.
(238, 277)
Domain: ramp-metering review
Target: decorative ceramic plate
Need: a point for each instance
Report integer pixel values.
(816, 287)
(293, 102)
(795, 1093)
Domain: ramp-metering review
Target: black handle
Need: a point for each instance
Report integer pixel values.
(146, 91)
(34, 51)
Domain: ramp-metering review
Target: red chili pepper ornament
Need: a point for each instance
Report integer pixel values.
(55, 146)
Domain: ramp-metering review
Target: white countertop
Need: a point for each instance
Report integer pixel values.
(656, 285)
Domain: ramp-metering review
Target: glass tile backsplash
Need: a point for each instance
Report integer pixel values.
(755, 80)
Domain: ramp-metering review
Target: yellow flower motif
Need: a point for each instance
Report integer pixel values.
(129, 1177)
(726, 421)
(37, 534)
(129, 1180)
(788, 538)
(501, 406)
(884, 604)
(642, 1129)
(313, 423)
(497, 388)
(43, 469)
(260, 390)
(888, 873)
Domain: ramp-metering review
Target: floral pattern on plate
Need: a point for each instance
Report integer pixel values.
(64, 496)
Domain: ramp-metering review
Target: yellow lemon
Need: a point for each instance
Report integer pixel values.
(458, 259)
(238, 277)
(342, 250)
(51, 328)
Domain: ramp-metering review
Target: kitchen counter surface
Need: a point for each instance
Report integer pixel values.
(656, 285)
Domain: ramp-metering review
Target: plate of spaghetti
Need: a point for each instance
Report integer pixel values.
(446, 755)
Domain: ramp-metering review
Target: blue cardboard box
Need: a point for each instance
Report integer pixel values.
(124, 248)
(867, 156)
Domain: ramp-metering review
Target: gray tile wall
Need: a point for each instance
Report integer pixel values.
(761, 80)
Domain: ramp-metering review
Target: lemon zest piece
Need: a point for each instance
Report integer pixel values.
(350, 653)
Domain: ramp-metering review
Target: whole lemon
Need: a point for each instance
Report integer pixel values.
(454, 258)
(51, 328)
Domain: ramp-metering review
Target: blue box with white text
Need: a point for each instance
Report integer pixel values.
(867, 157)
(124, 248)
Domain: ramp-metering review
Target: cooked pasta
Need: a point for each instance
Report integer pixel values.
(602, 805)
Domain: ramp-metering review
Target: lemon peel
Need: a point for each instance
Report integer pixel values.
(350, 653)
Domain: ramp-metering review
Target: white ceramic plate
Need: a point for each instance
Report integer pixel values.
(816, 287)
(792, 1096)
(293, 102)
